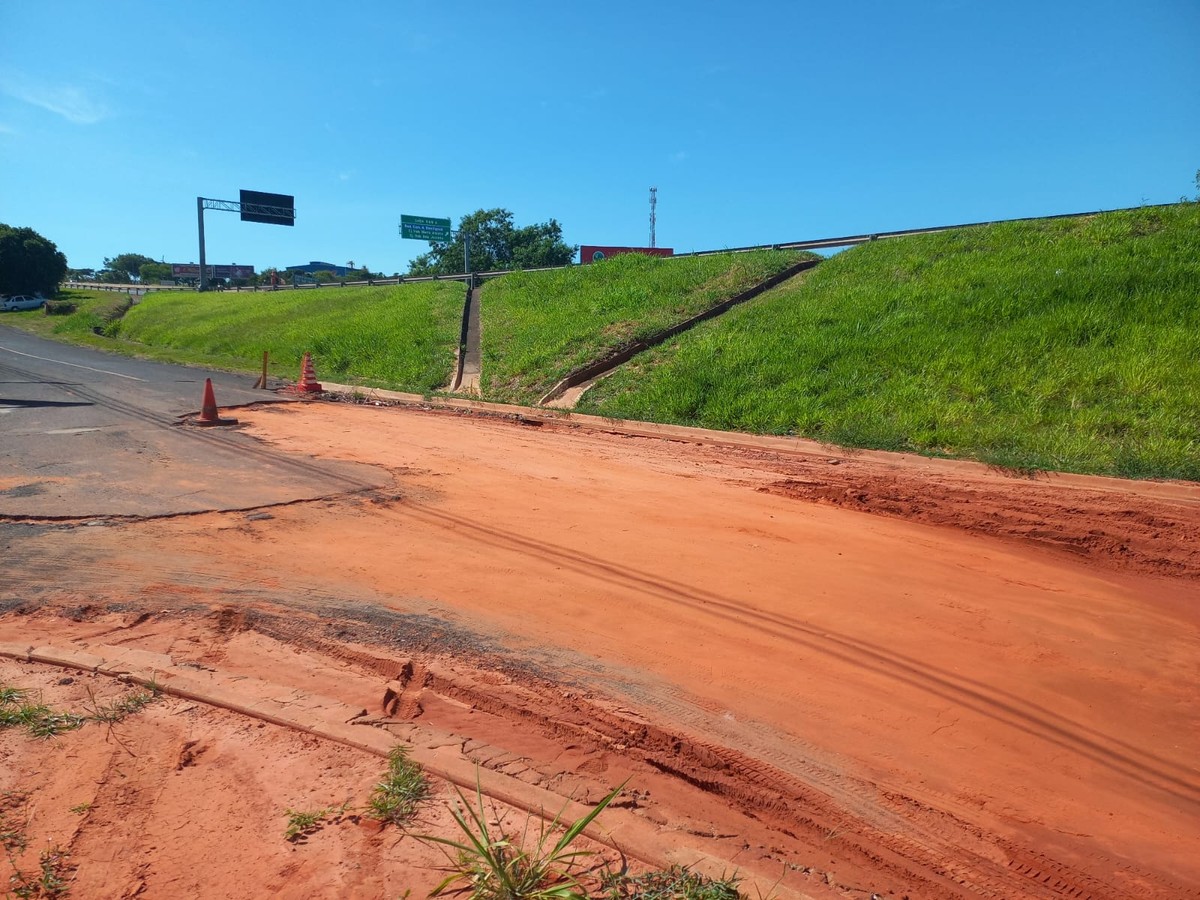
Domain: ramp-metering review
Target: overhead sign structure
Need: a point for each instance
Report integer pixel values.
(270, 209)
(255, 206)
(424, 228)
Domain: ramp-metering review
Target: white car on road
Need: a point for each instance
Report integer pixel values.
(20, 301)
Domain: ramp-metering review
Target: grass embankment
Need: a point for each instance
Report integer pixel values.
(397, 336)
(1070, 345)
(92, 310)
(539, 326)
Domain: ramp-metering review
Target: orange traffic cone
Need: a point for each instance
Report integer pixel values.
(208, 411)
(308, 378)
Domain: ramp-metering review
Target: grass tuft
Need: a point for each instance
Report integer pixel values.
(18, 710)
(127, 705)
(395, 799)
(53, 878)
(676, 883)
(493, 864)
(303, 823)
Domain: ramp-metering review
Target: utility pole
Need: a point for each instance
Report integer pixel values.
(653, 205)
(467, 256)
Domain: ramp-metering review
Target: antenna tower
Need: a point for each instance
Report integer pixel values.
(653, 204)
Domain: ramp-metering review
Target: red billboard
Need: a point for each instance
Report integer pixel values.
(590, 253)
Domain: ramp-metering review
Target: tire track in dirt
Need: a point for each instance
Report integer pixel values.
(1119, 757)
(935, 852)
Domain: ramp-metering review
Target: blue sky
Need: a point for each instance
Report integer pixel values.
(758, 122)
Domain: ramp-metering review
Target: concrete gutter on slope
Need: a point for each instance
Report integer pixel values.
(594, 370)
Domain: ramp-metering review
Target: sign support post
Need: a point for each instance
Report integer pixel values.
(200, 216)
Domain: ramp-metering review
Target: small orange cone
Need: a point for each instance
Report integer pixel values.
(308, 378)
(208, 411)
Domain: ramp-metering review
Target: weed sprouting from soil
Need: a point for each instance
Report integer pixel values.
(53, 878)
(12, 696)
(116, 710)
(19, 709)
(395, 799)
(676, 883)
(492, 863)
(303, 823)
(12, 834)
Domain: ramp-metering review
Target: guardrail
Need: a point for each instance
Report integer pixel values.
(850, 240)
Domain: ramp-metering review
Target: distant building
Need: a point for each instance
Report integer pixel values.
(589, 253)
(315, 266)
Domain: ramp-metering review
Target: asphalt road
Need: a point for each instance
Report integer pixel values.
(85, 434)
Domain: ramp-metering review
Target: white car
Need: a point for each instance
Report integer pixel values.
(20, 301)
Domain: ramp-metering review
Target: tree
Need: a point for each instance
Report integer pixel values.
(29, 263)
(154, 271)
(127, 266)
(496, 244)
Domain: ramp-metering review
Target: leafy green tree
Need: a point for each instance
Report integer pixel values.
(127, 266)
(496, 244)
(29, 263)
(154, 271)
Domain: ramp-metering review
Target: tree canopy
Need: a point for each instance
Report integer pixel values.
(29, 263)
(126, 266)
(496, 244)
(154, 271)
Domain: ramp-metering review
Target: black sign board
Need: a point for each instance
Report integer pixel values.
(272, 209)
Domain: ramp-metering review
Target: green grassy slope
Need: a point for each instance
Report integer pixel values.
(1071, 344)
(538, 326)
(93, 309)
(398, 336)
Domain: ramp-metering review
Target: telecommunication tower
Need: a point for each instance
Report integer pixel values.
(653, 204)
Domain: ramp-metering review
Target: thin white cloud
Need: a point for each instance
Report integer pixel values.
(6, 129)
(679, 156)
(68, 101)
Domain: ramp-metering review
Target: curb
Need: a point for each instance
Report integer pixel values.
(1175, 491)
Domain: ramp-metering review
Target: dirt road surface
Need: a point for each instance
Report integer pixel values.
(862, 676)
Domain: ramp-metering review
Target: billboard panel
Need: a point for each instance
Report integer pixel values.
(192, 270)
(594, 253)
(272, 209)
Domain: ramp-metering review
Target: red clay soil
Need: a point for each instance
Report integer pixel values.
(907, 679)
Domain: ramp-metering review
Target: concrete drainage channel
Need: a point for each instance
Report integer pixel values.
(333, 720)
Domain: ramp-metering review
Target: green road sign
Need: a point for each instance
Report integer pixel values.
(423, 228)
